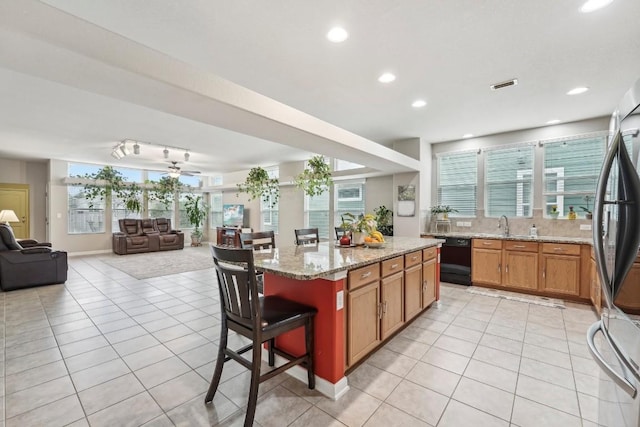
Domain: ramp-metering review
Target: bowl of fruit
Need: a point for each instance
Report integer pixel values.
(375, 239)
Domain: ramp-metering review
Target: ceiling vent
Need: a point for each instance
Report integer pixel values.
(502, 85)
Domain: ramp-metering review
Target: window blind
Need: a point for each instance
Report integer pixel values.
(458, 182)
(571, 170)
(317, 213)
(349, 197)
(509, 182)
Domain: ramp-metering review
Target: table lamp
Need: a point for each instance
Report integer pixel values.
(7, 216)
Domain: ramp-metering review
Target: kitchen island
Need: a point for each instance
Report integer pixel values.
(371, 282)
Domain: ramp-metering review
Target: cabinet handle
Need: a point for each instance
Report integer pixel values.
(413, 258)
(506, 268)
(394, 266)
(543, 274)
(384, 308)
(380, 311)
(487, 243)
(365, 275)
(558, 249)
(519, 246)
(499, 268)
(424, 285)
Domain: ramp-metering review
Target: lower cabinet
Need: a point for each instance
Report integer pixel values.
(486, 262)
(392, 293)
(520, 262)
(412, 291)
(429, 282)
(560, 269)
(363, 321)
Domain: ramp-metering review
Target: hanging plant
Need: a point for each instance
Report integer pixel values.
(165, 190)
(315, 179)
(109, 183)
(258, 184)
(131, 196)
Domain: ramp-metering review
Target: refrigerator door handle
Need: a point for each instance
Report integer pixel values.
(620, 380)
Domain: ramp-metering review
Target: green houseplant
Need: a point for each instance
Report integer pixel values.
(107, 184)
(384, 219)
(196, 210)
(258, 184)
(316, 178)
(165, 190)
(442, 211)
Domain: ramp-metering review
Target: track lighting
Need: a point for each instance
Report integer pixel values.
(136, 149)
(186, 156)
(165, 152)
(122, 150)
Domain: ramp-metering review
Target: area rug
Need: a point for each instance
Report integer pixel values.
(154, 264)
(531, 299)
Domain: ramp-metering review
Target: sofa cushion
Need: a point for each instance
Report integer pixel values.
(130, 226)
(163, 225)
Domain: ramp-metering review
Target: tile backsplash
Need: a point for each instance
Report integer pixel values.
(560, 227)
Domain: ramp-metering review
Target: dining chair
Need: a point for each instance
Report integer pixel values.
(261, 319)
(306, 235)
(259, 240)
(340, 231)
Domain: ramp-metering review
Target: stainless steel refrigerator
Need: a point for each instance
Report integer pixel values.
(614, 340)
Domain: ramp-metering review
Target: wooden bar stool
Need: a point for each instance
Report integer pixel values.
(260, 319)
(306, 235)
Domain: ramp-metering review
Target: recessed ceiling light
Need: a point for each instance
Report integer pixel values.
(578, 90)
(553, 122)
(419, 103)
(591, 5)
(386, 78)
(467, 135)
(337, 35)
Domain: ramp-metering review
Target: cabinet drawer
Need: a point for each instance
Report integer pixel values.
(392, 265)
(487, 243)
(429, 253)
(362, 276)
(412, 259)
(510, 245)
(561, 248)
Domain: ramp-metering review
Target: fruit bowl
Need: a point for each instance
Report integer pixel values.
(375, 245)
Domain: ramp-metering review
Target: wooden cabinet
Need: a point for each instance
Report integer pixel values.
(228, 236)
(486, 262)
(412, 285)
(629, 297)
(520, 261)
(429, 281)
(392, 300)
(560, 269)
(363, 321)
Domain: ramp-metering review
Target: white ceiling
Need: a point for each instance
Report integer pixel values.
(447, 53)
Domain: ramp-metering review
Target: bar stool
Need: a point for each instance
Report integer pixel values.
(259, 240)
(260, 319)
(306, 235)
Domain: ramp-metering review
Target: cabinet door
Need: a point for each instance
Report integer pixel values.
(392, 299)
(520, 270)
(561, 274)
(363, 321)
(629, 296)
(429, 282)
(412, 291)
(486, 266)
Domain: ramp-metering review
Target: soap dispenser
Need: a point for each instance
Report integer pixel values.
(533, 231)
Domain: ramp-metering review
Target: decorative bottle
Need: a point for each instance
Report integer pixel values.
(572, 214)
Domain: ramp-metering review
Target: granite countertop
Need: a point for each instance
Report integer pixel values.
(324, 259)
(542, 239)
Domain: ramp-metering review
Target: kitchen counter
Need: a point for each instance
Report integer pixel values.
(541, 239)
(326, 259)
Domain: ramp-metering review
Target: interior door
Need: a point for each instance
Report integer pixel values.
(16, 198)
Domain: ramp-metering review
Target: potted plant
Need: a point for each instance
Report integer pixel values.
(588, 214)
(196, 210)
(258, 184)
(553, 212)
(358, 226)
(384, 219)
(442, 211)
(316, 178)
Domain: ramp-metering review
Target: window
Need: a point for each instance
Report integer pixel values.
(458, 182)
(183, 218)
(82, 218)
(118, 206)
(316, 211)
(349, 197)
(216, 209)
(509, 182)
(571, 170)
(268, 209)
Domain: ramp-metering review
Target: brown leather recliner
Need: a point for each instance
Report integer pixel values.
(25, 267)
(169, 239)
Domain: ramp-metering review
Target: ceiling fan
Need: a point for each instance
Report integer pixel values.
(175, 171)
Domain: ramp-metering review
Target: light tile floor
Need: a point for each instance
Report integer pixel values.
(109, 350)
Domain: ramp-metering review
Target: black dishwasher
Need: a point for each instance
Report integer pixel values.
(455, 260)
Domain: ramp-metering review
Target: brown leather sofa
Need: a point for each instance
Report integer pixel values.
(23, 267)
(146, 235)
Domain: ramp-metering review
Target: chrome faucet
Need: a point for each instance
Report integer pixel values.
(506, 225)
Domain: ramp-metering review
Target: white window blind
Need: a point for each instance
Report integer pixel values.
(349, 197)
(509, 182)
(571, 169)
(216, 209)
(458, 182)
(317, 213)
